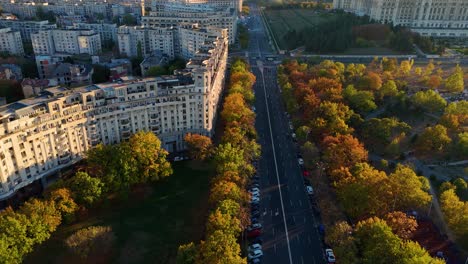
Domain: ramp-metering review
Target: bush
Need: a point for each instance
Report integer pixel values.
(91, 241)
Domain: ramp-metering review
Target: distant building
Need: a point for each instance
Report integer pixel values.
(428, 17)
(66, 41)
(71, 75)
(69, 20)
(10, 41)
(118, 68)
(106, 31)
(26, 28)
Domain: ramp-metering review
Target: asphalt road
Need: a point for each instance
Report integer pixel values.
(290, 233)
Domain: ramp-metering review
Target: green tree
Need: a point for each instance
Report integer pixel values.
(462, 144)
(129, 20)
(388, 89)
(455, 82)
(361, 101)
(433, 140)
(156, 71)
(226, 190)
(227, 223)
(311, 154)
(86, 189)
(331, 118)
(302, 133)
(408, 190)
(429, 101)
(220, 247)
(383, 130)
(200, 147)
(455, 212)
(340, 239)
(343, 151)
(187, 254)
(64, 202)
(100, 74)
(16, 239)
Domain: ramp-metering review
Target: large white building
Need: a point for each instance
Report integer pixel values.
(181, 41)
(41, 135)
(226, 18)
(10, 41)
(66, 41)
(436, 18)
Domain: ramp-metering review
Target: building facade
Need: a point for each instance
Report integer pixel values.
(26, 28)
(41, 135)
(10, 41)
(106, 31)
(436, 18)
(66, 41)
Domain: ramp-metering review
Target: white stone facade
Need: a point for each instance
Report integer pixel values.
(40, 135)
(436, 18)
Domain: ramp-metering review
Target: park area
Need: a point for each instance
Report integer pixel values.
(281, 21)
(322, 32)
(149, 226)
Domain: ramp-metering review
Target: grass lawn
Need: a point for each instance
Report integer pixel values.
(283, 20)
(150, 225)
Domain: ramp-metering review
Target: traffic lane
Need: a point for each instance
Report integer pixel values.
(299, 206)
(273, 232)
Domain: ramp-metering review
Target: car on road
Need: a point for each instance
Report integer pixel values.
(254, 227)
(255, 200)
(300, 161)
(321, 229)
(254, 189)
(255, 185)
(330, 255)
(255, 213)
(254, 247)
(310, 190)
(305, 173)
(255, 194)
(255, 261)
(255, 254)
(254, 233)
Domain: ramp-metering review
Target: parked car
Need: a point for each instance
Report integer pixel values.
(257, 240)
(305, 173)
(254, 247)
(321, 229)
(254, 189)
(255, 200)
(254, 233)
(310, 190)
(254, 227)
(255, 261)
(300, 161)
(255, 254)
(330, 255)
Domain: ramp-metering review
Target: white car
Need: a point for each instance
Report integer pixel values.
(310, 190)
(300, 161)
(254, 189)
(330, 255)
(254, 247)
(254, 226)
(255, 200)
(255, 254)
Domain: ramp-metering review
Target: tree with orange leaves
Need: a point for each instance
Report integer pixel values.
(327, 89)
(200, 147)
(343, 151)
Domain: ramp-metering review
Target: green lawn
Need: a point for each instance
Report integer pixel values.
(150, 225)
(283, 20)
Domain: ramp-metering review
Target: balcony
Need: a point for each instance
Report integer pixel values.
(154, 116)
(126, 135)
(126, 129)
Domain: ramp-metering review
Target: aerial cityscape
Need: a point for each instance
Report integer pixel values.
(234, 132)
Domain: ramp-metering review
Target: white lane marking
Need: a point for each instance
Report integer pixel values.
(302, 260)
(273, 231)
(290, 201)
(300, 203)
(276, 164)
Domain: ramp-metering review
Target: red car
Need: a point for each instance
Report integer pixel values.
(254, 233)
(305, 173)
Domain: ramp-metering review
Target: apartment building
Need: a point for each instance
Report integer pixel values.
(26, 28)
(10, 41)
(435, 18)
(41, 135)
(106, 31)
(148, 39)
(161, 5)
(181, 41)
(226, 18)
(67, 41)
